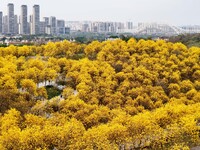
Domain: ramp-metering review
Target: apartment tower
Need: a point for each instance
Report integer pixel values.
(1, 22)
(11, 19)
(36, 20)
(23, 20)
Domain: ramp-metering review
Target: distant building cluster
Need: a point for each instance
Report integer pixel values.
(99, 27)
(128, 27)
(24, 24)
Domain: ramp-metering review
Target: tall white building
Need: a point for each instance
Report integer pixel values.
(5, 24)
(1, 22)
(36, 20)
(11, 19)
(16, 25)
(53, 25)
(31, 24)
(46, 20)
(129, 25)
(46, 25)
(42, 27)
(60, 26)
(23, 20)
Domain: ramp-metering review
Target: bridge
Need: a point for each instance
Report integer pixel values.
(154, 28)
(162, 29)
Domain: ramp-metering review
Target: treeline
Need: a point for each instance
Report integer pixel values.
(139, 94)
(187, 39)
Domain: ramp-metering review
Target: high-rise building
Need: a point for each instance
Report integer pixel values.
(67, 30)
(109, 27)
(61, 26)
(1, 22)
(94, 27)
(46, 20)
(16, 25)
(11, 19)
(85, 27)
(48, 29)
(36, 20)
(31, 24)
(5, 24)
(42, 27)
(129, 25)
(119, 26)
(23, 20)
(53, 25)
(46, 24)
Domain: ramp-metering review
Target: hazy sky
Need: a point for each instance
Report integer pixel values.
(176, 12)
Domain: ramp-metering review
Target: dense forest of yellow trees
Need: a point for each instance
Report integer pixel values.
(117, 95)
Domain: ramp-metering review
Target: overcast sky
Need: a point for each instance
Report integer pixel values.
(176, 12)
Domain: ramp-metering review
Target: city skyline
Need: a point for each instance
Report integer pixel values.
(36, 24)
(178, 12)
